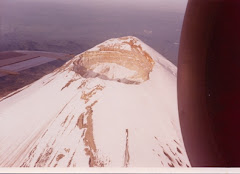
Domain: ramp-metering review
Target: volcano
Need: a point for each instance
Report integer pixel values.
(114, 105)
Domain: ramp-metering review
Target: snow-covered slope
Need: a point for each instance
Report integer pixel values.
(114, 105)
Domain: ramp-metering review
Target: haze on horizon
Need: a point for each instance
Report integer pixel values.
(74, 26)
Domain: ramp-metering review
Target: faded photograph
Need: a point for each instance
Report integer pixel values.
(90, 83)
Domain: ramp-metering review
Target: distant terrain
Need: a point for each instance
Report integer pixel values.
(9, 43)
(75, 26)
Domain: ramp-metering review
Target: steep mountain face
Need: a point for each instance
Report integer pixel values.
(114, 105)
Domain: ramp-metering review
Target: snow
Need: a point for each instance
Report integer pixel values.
(66, 120)
(159, 58)
(113, 70)
(125, 47)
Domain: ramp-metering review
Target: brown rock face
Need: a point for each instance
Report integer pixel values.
(133, 64)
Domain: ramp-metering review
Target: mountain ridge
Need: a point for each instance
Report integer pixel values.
(73, 119)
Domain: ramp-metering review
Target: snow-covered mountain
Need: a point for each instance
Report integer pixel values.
(114, 105)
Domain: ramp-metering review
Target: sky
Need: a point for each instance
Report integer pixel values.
(172, 5)
(77, 25)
